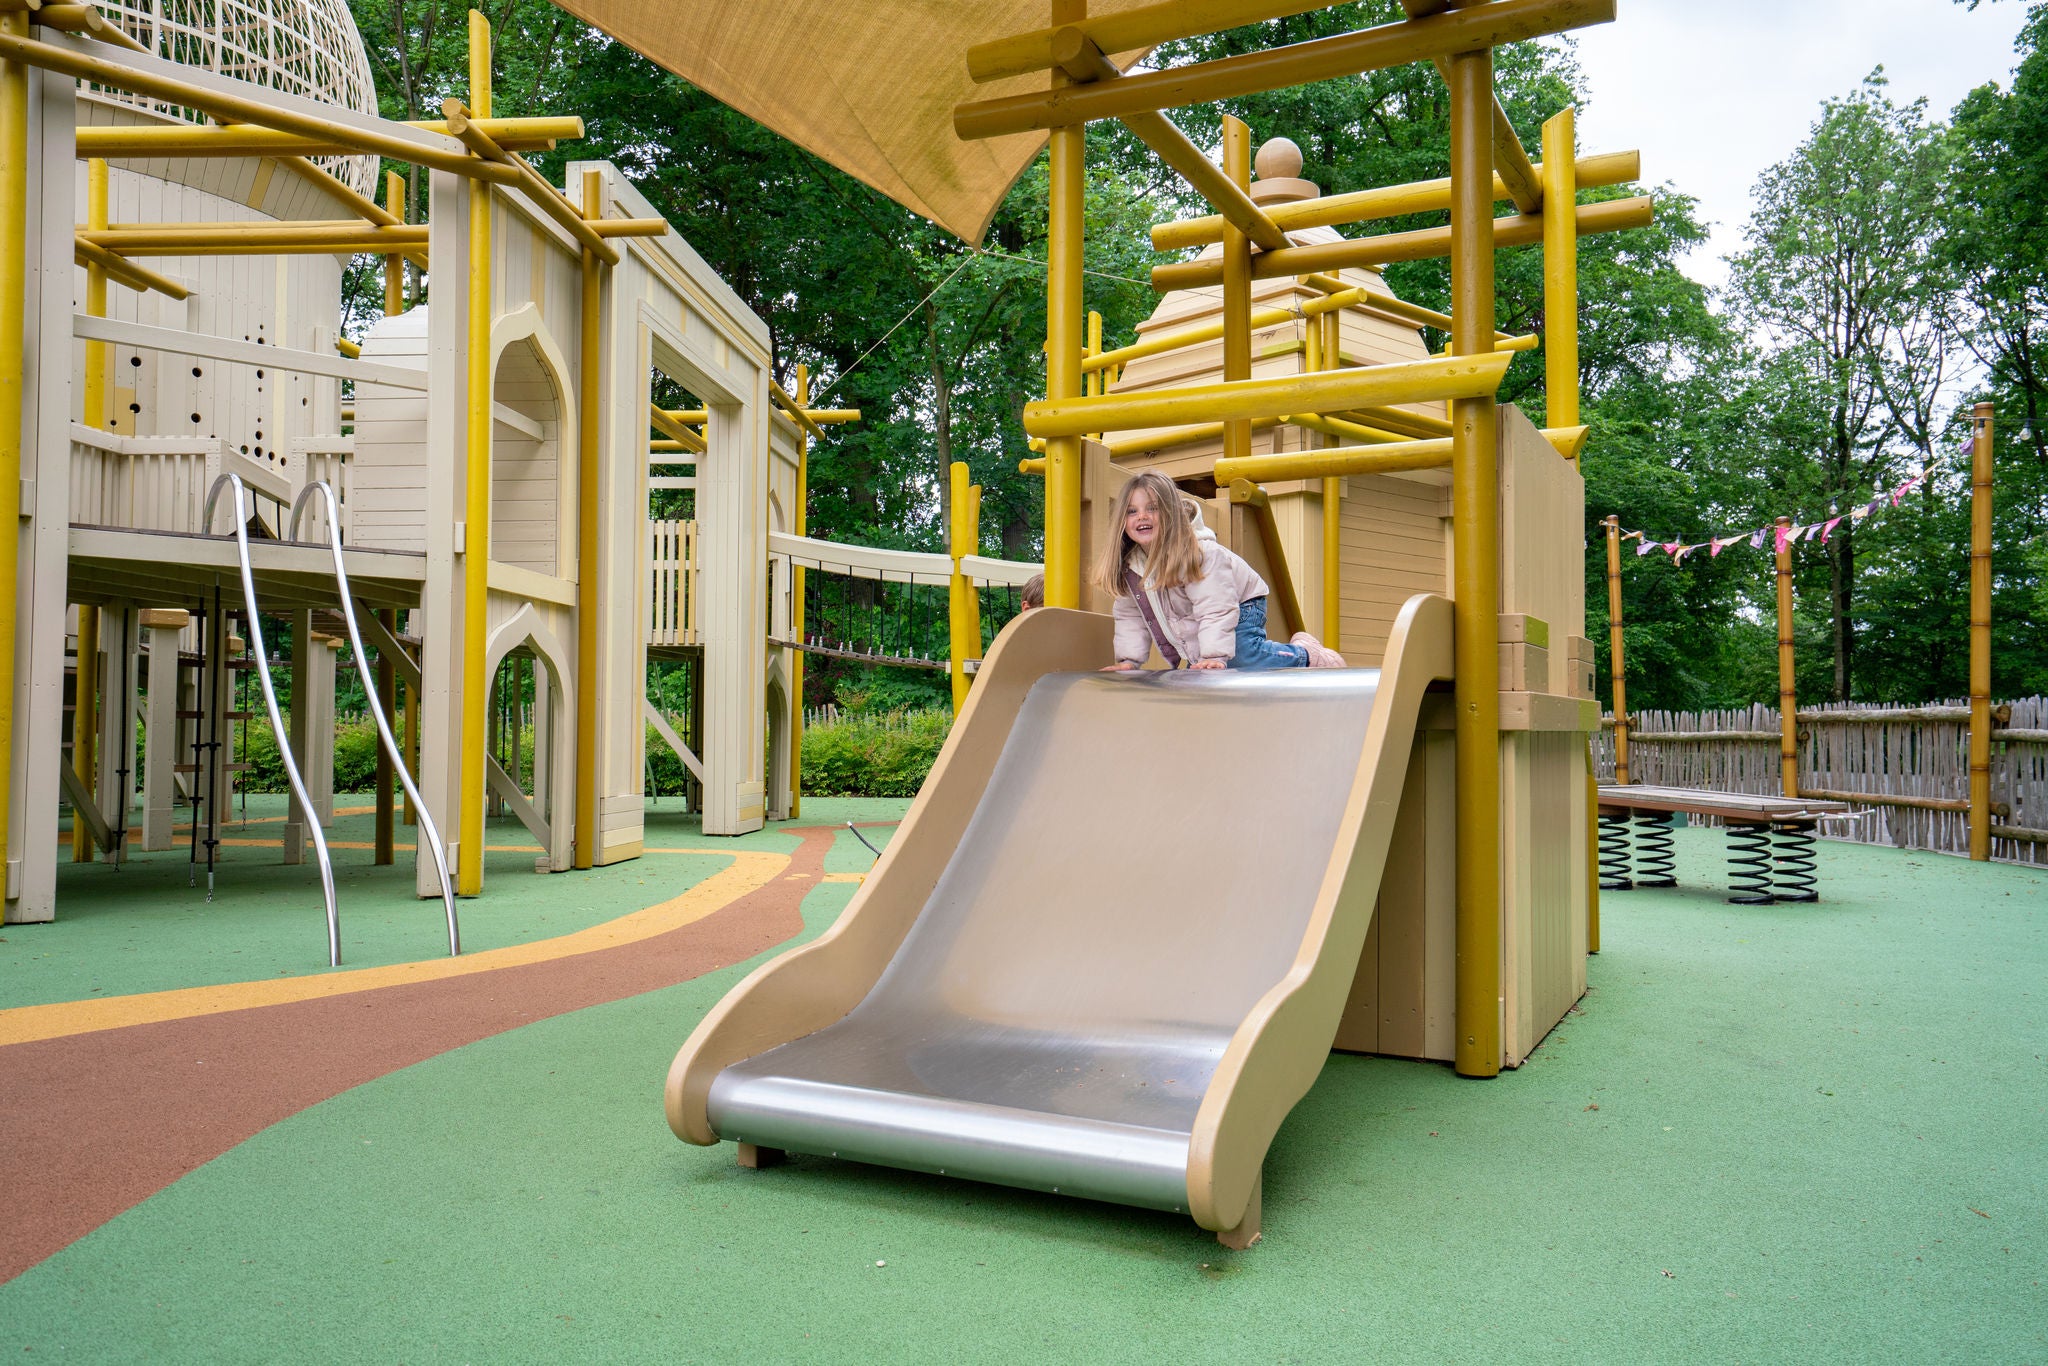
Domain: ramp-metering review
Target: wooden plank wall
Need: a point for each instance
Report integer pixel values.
(527, 523)
(1393, 547)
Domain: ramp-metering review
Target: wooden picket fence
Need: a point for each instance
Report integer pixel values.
(672, 583)
(1912, 763)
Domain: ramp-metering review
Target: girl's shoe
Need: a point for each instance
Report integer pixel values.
(1320, 656)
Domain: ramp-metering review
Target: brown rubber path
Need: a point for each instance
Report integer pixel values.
(95, 1123)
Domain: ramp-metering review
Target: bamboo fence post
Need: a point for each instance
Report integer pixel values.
(1614, 650)
(1980, 634)
(1788, 702)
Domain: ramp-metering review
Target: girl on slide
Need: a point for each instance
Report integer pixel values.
(1176, 587)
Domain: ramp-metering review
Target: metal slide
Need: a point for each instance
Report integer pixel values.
(1110, 944)
(428, 832)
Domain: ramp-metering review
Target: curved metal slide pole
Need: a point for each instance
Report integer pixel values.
(284, 749)
(355, 639)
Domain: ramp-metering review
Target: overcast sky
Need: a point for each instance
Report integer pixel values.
(1716, 91)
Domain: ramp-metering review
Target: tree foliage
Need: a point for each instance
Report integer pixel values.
(1897, 270)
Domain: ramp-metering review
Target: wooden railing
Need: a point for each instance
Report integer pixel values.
(159, 483)
(672, 613)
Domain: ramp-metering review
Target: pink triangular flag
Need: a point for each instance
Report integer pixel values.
(1829, 529)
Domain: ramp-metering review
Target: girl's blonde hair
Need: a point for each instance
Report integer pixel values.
(1176, 555)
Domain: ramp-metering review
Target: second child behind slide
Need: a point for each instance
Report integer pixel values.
(1175, 586)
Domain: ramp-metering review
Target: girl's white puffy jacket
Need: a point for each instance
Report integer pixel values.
(1200, 618)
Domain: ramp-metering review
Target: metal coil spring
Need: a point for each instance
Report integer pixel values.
(1654, 856)
(1749, 864)
(1614, 853)
(1792, 848)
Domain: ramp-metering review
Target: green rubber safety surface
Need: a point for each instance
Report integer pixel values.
(1812, 1133)
(146, 925)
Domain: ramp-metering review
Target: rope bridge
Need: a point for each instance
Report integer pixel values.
(891, 606)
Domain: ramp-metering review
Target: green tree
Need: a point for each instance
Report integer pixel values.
(1839, 275)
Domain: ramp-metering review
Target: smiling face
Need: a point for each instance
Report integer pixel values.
(1141, 519)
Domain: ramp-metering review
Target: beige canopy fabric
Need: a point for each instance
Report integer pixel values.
(868, 85)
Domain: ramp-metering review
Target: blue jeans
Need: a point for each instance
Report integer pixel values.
(1254, 651)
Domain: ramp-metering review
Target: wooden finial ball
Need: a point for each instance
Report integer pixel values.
(1277, 159)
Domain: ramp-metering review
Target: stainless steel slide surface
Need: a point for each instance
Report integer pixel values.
(1140, 873)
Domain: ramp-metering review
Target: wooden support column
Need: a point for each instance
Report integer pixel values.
(1063, 340)
(1788, 699)
(1980, 633)
(387, 773)
(1237, 286)
(85, 724)
(1475, 513)
(162, 629)
(802, 519)
(589, 483)
(1616, 668)
(475, 546)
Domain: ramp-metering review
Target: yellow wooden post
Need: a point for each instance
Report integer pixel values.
(1788, 699)
(13, 322)
(476, 542)
(1237, 284)
(85, 721)
(1560, 274)
(1475, 512)
(963, 538)
(589, 473)
(94, 410)
(1325, 347)
(1980, 633)
(797, 574)
(394, 264)
(1063, 341)
(1614, 656)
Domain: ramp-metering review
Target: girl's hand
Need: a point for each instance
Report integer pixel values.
(1210, 664)
(1121, 666)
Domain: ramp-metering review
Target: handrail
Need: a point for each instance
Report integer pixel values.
(896, 566)
(428, 832)
(284, 749)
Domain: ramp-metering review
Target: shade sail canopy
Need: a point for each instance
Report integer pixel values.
(868, 86)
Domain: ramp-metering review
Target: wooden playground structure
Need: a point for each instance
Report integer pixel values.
(483, 511)
(467, 513)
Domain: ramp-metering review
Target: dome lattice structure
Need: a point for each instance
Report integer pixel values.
(305, 47)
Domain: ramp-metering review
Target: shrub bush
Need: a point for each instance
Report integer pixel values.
(867, 755)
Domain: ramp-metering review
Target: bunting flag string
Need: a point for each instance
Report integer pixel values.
(1780, 537)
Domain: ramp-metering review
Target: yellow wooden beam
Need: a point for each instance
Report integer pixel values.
(1521, 230)
(1084, 62)
(1476, 27)
(687, 437)
(1337, 462)
(231, 108)
(529, 182)
(118, 141)
(126, 272)
(258, 240)
(85, 20)
(1148, 26)
(1390, 201)
(1418, 381)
